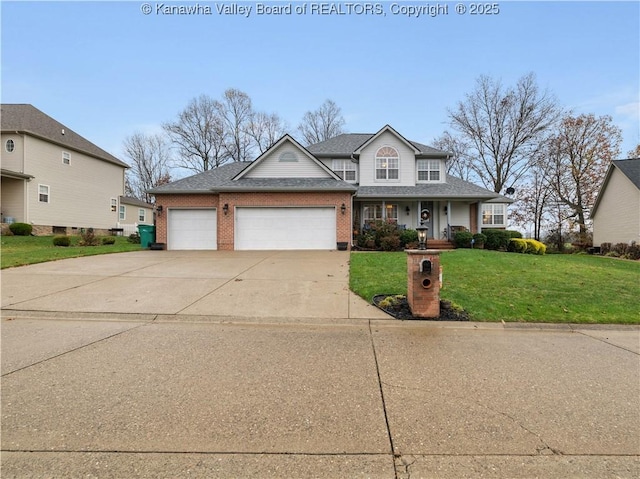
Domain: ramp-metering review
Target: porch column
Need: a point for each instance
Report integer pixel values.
(384, 211)
(479, 217)
(448, 220)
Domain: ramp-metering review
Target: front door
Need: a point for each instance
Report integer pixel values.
(429, 223)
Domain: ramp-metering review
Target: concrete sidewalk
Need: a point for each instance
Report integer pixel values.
(354, 398)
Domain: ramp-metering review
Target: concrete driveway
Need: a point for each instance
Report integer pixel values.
(208, 379)
(290, 284)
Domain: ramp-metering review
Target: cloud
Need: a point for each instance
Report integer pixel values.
(630, 110)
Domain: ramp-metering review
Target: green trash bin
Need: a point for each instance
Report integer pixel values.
(147, 235)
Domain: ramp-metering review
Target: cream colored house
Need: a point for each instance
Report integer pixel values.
(616, 213)
(133, 212)
(53, 178)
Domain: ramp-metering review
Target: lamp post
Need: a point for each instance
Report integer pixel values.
(422, 236)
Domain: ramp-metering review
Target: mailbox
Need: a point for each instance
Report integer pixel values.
(425, 266)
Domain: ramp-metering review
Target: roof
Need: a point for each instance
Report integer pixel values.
(128, 200)
(629, 167)
(454, 188)
(347, 144)
(221, 179)
(25, 118)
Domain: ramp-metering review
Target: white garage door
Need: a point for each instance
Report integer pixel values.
(192, 229)
(285, 228)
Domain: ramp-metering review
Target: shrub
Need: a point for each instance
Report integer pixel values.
(61, 240)
(379, 231)
(462, 239)
(390, 243)
(134, 238)
(496, 239)
(408, 237)
(108, 240)
(479, 239)
(621, 250)
(21, 229)
(514, 234)
(88, 237)
(517, 245)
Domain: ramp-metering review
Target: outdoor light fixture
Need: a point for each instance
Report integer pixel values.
(343, 208)
(422, 236)
(225, 208)
(159, 210)
(407, 209)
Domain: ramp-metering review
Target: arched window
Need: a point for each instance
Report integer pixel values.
(387, 164)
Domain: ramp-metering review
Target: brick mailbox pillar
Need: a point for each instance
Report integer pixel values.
(423, 282)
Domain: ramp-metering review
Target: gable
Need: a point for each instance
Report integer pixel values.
(286, 159)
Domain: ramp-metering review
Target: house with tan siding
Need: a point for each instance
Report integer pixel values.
(323, 196)
(53, 178)
(616, 213)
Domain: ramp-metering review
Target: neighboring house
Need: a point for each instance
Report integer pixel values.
(133, 212)
(616, 213)
(52, 177)
(293, 197)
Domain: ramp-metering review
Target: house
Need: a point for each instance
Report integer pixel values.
(52, 177)
(133, 212)
(293, 197)
(616, 212)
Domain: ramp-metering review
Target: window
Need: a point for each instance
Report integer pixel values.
(387, 164)
(428, 170)
(66, 158)
(43, 193)
(493, 214)
(141, 215)
(122, 213)
(373, 213)
(345, 169)
(10, 145)
(288, 157)
(114, 204)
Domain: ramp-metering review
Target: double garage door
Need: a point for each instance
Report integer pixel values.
(267, 228)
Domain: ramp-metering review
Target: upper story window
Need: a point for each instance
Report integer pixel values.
(43, 194)
(428, 171)
(493, 214)
(66, 158)
(345, 169)
(141, 215)
(114, 204)
(10, 145)
(122, 213)
(387, 164)
(288, 157)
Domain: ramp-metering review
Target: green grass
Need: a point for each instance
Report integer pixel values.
(494, 286)
(22, 250)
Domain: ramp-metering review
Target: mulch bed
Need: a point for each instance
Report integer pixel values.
(400, 309)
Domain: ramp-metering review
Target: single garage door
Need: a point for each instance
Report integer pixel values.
(192, 229)
(285, 228)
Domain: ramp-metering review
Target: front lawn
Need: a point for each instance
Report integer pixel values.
(22, 250)
(494, 286)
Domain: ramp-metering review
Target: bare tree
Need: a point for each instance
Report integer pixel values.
(199, 135)
(504, 127)
(265, 129)
(235, 111)
(635, 153)
(579, 155)
(150, 159)
(322, 124)
(532, 201)
(460, 164)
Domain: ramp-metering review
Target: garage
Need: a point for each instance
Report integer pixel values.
(285, 228)
(192, 229)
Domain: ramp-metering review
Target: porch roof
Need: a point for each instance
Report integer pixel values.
(16, 175)
(453, 189)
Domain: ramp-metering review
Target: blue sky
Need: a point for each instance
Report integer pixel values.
(106, 70)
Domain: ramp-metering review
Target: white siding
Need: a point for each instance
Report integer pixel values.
(80, 192)
(617, 218)
(13, 199)
(407, 173)
(460, 214)
(12, 161)
(271, 167)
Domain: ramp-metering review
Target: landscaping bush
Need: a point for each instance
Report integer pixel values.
(88, 237)
(408, 237)
(21, 229)
(390, 242)
(381, 235)
(514, 234)
(479, 240)
(462, 239)
(517, 245)
(61, 240)
(108, 240)
(529, 246)
(496, 239)
(621, 250)
(134, 238)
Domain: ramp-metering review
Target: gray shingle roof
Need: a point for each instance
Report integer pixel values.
(454, 188)
(128, 200)
(28, 119)
(631, 168)
(221, 179)
(344, 145)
